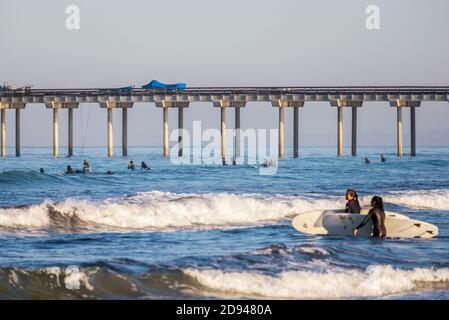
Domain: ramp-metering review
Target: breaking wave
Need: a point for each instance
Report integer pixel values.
(429, 199)
(172, 211)
(160, 211)
(375, 281)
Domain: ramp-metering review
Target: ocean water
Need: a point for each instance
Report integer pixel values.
(208, 231)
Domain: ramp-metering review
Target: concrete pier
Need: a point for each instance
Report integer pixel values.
(413, 131)
(340, 131)
(110, 134)
(340, 104)
(17, 132)
(399, 132)
(281, 133)
(399, 105)
(70, 132)
(3, 132)
(237, 133)
(180, 128)
(295, 132)
(165, 104)
(343, 96)
(124, 132)
(354, 132)
(165, 131)
(278, 102)
(55, 132)
(223, 133)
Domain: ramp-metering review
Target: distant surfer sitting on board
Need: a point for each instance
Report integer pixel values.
(353, 205)
(86, 166)
(377, 216)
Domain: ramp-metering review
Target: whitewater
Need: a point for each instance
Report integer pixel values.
(208, 231)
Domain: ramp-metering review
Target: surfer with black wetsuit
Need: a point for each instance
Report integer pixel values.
(353, 205)
(377, 216)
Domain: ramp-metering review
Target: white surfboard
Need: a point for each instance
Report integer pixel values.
(338, 223)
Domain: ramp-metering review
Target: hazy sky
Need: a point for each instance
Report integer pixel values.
(226, 43)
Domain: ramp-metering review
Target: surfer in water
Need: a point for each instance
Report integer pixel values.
(69, 170)
(382, 158)
(377, 216)
(86, 167)
(144, 166)
(353, 205)
(41, 170)
(367, 160)
(131, 166)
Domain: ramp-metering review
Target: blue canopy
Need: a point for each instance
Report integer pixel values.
(154, 84)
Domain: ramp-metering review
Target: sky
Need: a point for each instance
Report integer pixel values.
(226, 43)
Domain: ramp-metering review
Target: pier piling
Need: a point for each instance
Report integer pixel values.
(124, 132)
(165, 130)
(3, 129)
(281, 133)
(340, 132)
(55, 132)
(354, 132)
(180, 128)
(413, 131)
(295, 132)
(70, 132)
(110, 134)
(399, 132)
(17, 132)
(223, 134)
(237, 133)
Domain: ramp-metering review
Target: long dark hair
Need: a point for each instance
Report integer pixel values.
(354, 194)
(377, 202)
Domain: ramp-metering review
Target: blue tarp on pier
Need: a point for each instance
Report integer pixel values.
(154, 84)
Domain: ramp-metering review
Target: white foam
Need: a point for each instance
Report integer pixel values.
(157, 210)
(428, 199)
(169, 211)
(375, 281)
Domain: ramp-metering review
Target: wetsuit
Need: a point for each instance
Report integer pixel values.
(132, 166)
(377, 216)
(353, 206)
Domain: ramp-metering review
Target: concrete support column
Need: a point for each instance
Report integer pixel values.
(413, 131)
(17, 132)
(55, 132)
(124, 132)
(165, 130)
(3, 129)
(281, 133)
(110, 134)
(399, 132)
(237, 132)
(340, 132)
(180, 128)
(295, 132)
(354, 132)
(70, 132)
(223, 133)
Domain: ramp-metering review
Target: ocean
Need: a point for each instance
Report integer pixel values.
(184, 231)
